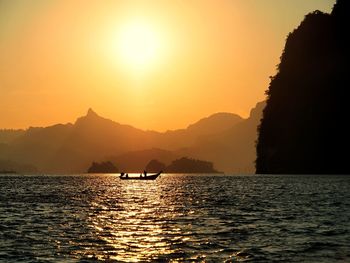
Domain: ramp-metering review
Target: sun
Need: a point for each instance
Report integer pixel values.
(138, 45)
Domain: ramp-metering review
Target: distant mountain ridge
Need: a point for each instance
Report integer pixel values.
(232, 150)
(8, 135)
(71, 148)
(215, 123)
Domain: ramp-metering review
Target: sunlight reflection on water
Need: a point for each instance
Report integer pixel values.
(134, 225)
(177, 218)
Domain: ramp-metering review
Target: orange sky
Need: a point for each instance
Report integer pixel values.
(58, 58)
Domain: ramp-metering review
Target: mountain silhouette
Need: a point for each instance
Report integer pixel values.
(136, 161)
(72, 147)
(181, 138)
(154, 166)
(103, 167)
(304, 129)
(92, 139)
(231, 150)
(213, 124)
(8, 135)
(189, 165)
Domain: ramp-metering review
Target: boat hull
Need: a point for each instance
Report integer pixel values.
(148, 177)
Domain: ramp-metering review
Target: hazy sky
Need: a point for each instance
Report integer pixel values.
(152, 64)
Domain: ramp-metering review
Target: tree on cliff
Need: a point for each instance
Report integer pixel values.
(304, 125)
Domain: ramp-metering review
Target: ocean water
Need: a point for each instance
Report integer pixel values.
(177, 218)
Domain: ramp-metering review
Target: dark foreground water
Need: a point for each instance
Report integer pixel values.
(177, 218)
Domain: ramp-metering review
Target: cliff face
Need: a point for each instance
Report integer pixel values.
(304, 124)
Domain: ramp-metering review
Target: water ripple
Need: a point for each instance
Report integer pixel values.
(178, 218)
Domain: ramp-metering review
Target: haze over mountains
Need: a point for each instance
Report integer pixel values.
(225, 139)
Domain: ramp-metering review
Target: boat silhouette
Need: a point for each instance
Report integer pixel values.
(125, 176)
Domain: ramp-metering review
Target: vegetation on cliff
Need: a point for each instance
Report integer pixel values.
(304, 127)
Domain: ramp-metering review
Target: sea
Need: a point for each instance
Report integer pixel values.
(176, 218)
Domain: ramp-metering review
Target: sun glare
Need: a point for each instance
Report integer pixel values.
(138, 45)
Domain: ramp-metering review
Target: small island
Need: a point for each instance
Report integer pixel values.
(103, 167)
(182, 165)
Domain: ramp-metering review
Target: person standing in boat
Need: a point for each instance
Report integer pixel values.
(124, 175)
(145, 173)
